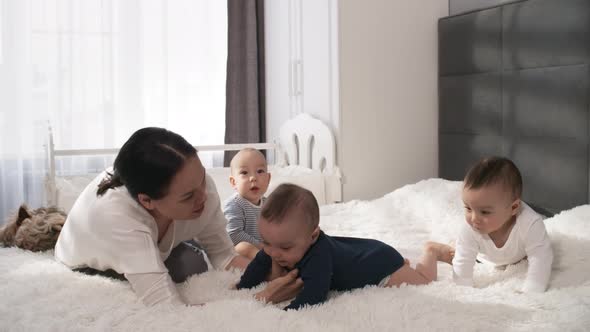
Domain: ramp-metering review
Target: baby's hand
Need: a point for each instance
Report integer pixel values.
(276, 271)
(281, 289)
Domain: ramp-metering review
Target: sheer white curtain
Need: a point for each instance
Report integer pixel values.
(96, 71)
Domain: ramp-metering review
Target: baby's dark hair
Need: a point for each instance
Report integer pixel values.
(492, 170)
(287, 197)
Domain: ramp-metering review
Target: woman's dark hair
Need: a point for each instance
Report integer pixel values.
(147, 162)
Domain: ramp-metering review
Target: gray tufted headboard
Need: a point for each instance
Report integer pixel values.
(514, 81)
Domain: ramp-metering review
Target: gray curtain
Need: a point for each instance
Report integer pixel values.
(244, 110)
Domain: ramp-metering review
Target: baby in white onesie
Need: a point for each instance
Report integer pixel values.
(500, 228)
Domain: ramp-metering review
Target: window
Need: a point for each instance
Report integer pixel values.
(96, 71)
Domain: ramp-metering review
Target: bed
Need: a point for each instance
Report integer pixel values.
(41, 294)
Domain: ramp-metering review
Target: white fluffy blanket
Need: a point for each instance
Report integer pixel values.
(39, 294)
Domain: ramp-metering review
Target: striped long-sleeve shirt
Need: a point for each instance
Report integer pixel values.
(241, 218)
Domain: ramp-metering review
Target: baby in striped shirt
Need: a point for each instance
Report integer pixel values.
(249, 178)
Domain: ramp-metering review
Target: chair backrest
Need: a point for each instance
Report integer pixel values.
(307, 142)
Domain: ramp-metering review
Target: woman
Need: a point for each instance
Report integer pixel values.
(131, 222)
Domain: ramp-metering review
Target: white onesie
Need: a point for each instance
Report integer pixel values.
(528, 238)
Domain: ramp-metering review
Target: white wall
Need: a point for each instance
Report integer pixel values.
(388, 94)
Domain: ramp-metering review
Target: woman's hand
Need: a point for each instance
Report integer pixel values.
(281, 288)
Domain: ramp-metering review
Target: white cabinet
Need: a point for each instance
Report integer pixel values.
(301, 61)
(368, 69)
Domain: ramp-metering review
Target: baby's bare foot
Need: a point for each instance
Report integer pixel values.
(443, 252)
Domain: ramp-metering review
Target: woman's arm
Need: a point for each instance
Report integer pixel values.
(154, 288)
(213, 237)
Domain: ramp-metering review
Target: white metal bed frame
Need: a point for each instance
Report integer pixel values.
(303, 141)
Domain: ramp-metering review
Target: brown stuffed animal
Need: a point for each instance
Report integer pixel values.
(35, 230)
